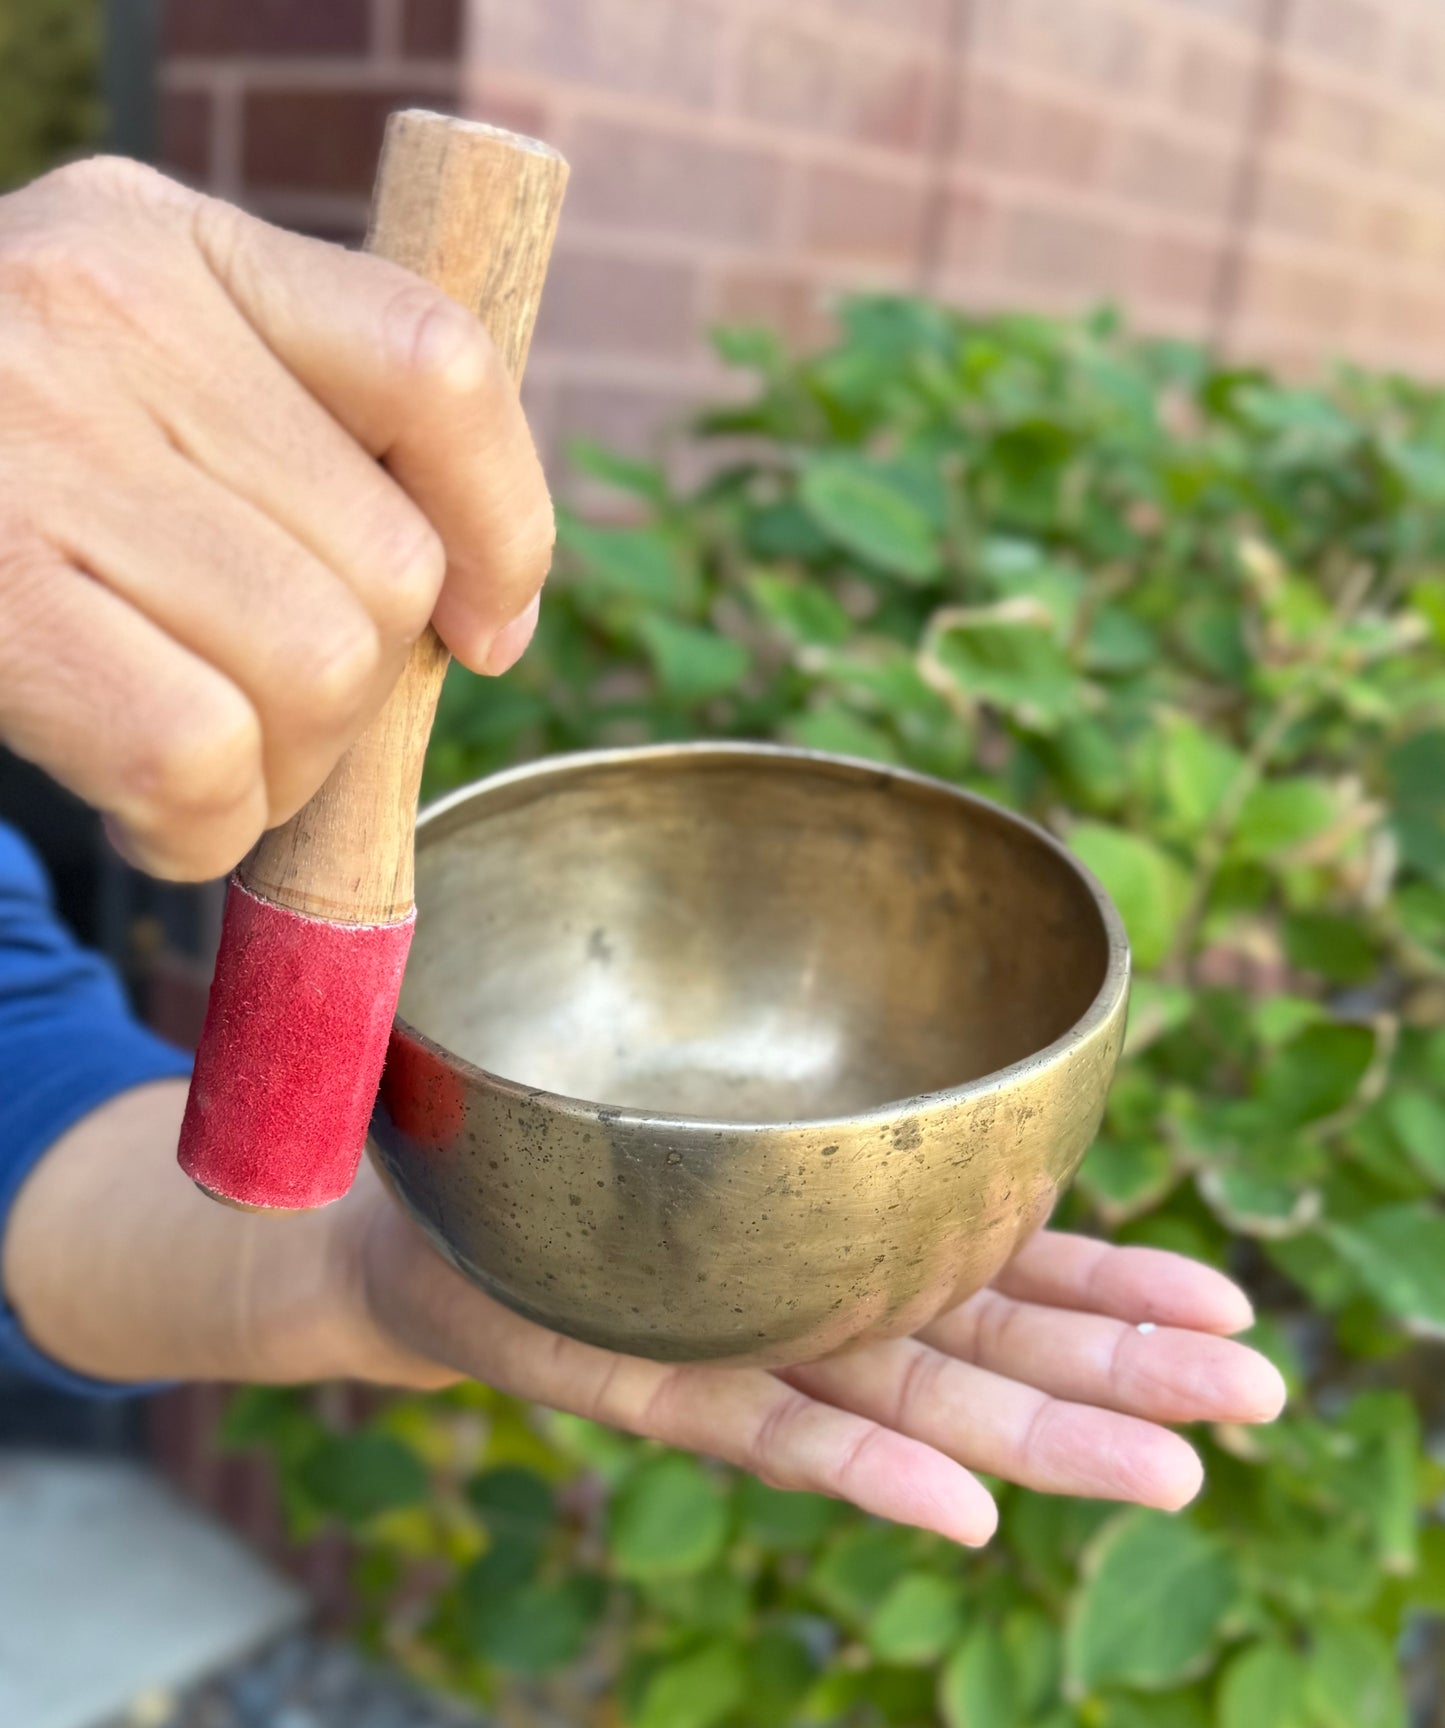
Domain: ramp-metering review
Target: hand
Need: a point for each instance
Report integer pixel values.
(122, 1271)
(1045, 1379)
(239, 472)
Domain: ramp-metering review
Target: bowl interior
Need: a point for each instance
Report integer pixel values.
(742, 935)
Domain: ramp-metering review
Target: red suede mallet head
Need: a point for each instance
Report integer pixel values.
(319, 917)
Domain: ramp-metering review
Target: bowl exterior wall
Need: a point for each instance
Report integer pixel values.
(688, 1242)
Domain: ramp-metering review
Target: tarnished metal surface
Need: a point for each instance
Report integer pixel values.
(796, 1050)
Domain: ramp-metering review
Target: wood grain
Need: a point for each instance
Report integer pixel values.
(474, 210)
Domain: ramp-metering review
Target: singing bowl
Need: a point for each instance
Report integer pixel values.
(733, 1052)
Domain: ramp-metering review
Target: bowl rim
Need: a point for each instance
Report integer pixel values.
(1110, 1000)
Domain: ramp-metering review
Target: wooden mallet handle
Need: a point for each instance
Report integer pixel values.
(319, 915)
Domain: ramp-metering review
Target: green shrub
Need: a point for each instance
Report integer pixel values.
(49, 84)
(1195, 621)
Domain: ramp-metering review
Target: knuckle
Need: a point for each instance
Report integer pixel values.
(109, 177)
(203, 761)
(334, 673)
(533, 542)
(442, 350)
(413, 565)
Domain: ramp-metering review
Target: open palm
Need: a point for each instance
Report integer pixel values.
(1061, 1377)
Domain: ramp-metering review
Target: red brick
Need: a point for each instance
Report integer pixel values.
(793, 305)
(1349, 32)
(1178, 270)
(1403, 313)
(970, 217)
(1334, 122)
(1402, 227)
(1247, 14)
(887, 100)
(1412, 149)
(1058, 248)
(596, 304)
(1294, 201)
(665, 48)
(787, 74)
(625, 417)
(1004, 126)
(1162, 170)
(1215, 84)
(1085, 41)
(862, 216)
(185, 134)
(318, 140)
(927, 18)
(1418, 61)
(286, 27)
(625, 176)
(432, 29)
(1311, 301)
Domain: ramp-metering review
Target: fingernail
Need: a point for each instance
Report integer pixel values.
(510, 642)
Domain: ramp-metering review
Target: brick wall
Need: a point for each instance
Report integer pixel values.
(1266, 173)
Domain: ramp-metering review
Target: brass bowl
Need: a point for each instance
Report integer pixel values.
(731, 1052)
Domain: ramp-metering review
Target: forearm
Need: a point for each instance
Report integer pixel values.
(118, 1268)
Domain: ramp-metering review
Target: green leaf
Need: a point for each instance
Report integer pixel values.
(643, 479)
(866, 513)
(1117, 642)
(1153, 1600)
(713, 1601)
(1335, 947)
(695, 1691)
(1155, 1010)
(976, 1688)
(801, 610)
(1280, 815)
(692, 664)
(1148, 885)
(536, 1628)
(357, 1477)
(1171, 1710)
(754, 346)
(509, 1562)
(1416, 773)
(1006, 655)
(1316, 1073)
(1035, 1650)
(669, 1518)
(785, 530)
(834, 727)
(1264, 1684)
(275, 1416)
(917, 1620)
(1418, 1121)
(1399, 1251)
(1126, 1177)
(1256, 1202)
(1196, 769)
(1354, 1679)
(642, 564)
(779, 1673)
(784, 1521)
(856, 1572)
(514, 1500)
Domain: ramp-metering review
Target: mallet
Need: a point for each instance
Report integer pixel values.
(319, 917)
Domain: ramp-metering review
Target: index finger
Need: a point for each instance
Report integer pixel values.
(416, 380)
(1058, 1270)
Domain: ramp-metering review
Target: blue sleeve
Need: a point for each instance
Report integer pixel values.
(68, 1042)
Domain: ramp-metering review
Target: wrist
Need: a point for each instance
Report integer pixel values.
(116, 1267)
